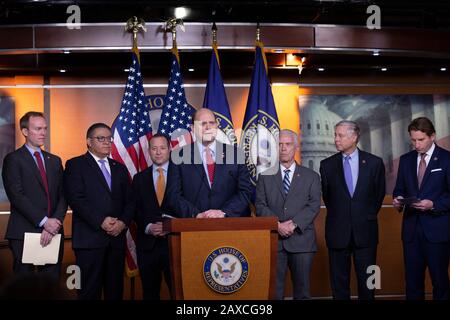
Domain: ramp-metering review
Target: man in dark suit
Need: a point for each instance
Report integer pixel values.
(149, 188)
(211, 180)
(353, 188)
(424, 174)
(33, 181)
(293, 196)
(98, 190)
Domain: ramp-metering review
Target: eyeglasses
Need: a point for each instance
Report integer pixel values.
(103, 139)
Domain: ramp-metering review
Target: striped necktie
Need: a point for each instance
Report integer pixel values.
(286, 182)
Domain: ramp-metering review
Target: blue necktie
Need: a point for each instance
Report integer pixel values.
(105, 172)
(348, 175)
(286, 182)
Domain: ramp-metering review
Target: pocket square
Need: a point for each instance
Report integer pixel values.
(438, 169)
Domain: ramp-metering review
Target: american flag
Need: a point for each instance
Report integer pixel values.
(176, 116)
(132, 130)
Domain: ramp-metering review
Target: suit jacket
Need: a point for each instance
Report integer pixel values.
(147, 208)
(357, 214)
(231, 188)
(26, 192)
(301, 204)
(91, 200)
(435, 187)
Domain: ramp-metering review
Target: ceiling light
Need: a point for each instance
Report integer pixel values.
(191, 69)
(443, 69)
(181, 12)
(383, 69)
(62, 70)
(321, 69)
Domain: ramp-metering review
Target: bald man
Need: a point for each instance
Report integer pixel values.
(211, 178)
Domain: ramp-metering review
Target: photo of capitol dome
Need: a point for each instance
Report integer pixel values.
(383, 120)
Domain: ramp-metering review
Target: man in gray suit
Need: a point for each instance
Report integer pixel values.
(292, 195)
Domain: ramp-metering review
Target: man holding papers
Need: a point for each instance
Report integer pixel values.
(422, 192)
(33, 181)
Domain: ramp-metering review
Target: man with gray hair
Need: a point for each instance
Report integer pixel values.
(353, 189)
(293, 196)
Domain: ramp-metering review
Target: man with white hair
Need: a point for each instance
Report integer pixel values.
(293, 196)
(353, 189)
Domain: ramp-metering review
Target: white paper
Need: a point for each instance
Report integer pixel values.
(35, 254)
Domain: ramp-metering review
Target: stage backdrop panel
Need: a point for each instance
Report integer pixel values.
(7, 136)
(383, 119)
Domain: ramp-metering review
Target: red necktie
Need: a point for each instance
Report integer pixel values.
(422, 168)
(209, 164)
(44, 178)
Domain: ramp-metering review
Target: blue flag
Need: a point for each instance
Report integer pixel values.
(216, 101)
(261, 128)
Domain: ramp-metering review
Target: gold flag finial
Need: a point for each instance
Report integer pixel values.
(172, 24)
(135, 25)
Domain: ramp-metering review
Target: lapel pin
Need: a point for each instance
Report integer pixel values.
(435, 158)
(364, 161)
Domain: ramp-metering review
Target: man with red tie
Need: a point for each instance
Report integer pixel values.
(210, 179)
(422, 192)
(33, 181)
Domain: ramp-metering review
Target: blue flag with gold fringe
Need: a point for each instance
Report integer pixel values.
(261, 128)
(216, 100)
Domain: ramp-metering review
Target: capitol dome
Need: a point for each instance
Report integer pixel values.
(316, 130)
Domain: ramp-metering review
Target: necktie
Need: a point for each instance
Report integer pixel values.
(422, 168)
(105, 172)
(160, 186)
(210, 164)
(40, 165)
(348, 175)
(286, 182)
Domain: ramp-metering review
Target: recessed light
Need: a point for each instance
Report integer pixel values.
(383, 69)
(181, 12)
(191, 69)
(278, 50)
(126, 70)
(321, 69)
(66, 51)
(443, 69)
(376, 53)
(62, 70)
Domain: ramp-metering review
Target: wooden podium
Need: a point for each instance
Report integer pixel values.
(221, 259)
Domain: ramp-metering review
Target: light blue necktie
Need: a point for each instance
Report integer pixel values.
(348, 175)
(105, 172)
(286, 182)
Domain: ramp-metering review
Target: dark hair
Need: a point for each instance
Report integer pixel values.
(94, 127)
(25, 120)
(162, 135)
(422, 124)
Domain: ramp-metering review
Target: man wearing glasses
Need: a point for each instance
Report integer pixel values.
(99, 192)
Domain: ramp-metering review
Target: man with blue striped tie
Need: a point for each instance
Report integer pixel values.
(353, 187)
(292, 195)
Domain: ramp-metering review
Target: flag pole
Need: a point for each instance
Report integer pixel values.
(134, 25)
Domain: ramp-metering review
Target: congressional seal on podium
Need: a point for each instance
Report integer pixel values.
(226, 270)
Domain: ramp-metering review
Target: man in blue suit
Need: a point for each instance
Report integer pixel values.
(210, 179)
(150, 188)
(98, 190)
(353, 188)
(424, 175)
